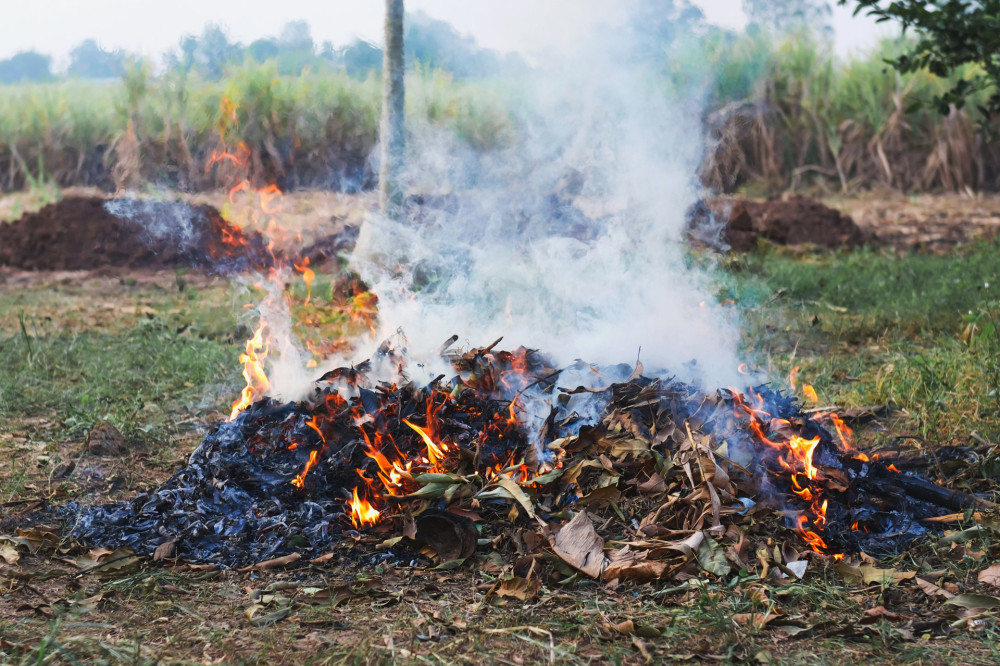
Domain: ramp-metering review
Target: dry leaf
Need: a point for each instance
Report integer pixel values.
(868, 574)
(273, 564)
(578, 544)
(631, 628)
(164, 551)
(974, 601)
(518, 588)
(626, 564)
(933, 591)
(990, 575)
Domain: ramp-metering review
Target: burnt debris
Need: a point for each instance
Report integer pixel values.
(505, 443)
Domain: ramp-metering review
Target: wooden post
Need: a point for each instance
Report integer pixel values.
(393, 140)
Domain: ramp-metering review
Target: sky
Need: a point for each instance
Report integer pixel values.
(151, 27)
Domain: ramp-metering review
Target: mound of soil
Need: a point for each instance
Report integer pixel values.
(793, 221)
(82, 233)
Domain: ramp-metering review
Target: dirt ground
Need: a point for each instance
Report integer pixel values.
(65, 604)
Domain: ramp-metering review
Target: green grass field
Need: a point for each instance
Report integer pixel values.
(157, 357)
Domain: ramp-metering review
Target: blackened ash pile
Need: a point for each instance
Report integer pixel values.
(664, 465)
(250, 493)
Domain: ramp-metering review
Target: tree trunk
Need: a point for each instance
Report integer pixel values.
(391, 129)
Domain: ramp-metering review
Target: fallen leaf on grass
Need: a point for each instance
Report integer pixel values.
(933, 591)
(103, 560)
(518, 588)
(868, 574)
(879, 613)
(258, 620)
(578, 544)
(990, 575)
(273, 563)
(755, 620)
(631, 628)
(974, 601)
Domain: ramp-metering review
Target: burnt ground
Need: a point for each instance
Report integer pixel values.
(76, 605)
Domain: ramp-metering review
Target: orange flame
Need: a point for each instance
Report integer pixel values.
(362, 511)
(810, 393)
(435, 452)
(253, 372)
(300, 481)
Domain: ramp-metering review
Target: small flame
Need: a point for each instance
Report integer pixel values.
(793, 377)
(810, 393)
(362, 511)
(300, 481)
(435, 452)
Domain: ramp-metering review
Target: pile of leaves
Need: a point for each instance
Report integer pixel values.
(637, 479)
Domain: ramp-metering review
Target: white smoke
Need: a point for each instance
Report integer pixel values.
(570, 241)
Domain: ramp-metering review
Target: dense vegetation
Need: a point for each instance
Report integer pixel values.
(780, 112)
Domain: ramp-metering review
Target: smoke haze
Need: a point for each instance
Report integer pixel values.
(570, 240)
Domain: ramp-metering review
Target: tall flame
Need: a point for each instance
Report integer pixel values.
(257, 383)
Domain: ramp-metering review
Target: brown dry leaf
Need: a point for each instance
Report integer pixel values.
(101, 560)
(879, 613)
(631, 628)
(601, 495)
(164, 551)
(273, 564)
(868, 574)
(654, 485)
(990, 575)
(626, 564)
(578, 544)
(933, 591)
(518, 588)
(38, 537)
(755, 620)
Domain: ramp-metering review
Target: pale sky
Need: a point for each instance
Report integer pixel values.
(153, 26)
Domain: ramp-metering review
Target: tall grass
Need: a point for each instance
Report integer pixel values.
(781, 114)
(316, 129)
(788, 114)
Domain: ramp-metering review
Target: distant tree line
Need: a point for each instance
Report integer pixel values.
(430, 43)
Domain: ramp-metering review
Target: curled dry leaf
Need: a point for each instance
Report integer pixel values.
(452, 537)
(990, 575)
(632, 628)
(273, 564)
(165, 551)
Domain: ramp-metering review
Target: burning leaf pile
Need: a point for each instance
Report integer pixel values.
(599, 471)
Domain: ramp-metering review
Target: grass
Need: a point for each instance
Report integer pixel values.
(314, 129)
(159, 361)
(779, 114)
(873, 328)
